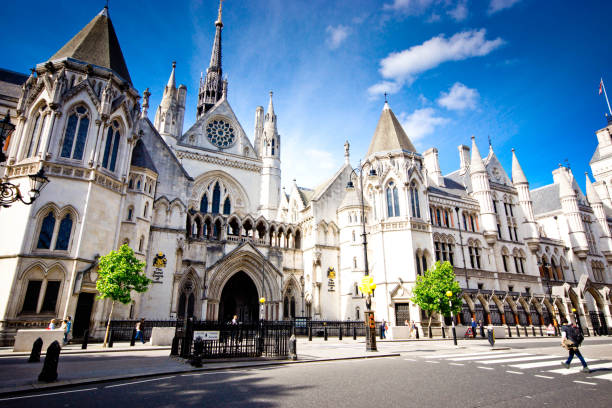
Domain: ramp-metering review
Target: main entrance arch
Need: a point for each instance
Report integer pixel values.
(239, 297)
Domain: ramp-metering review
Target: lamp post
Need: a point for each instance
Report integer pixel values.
(467, 284)
(368, 314)
(548, 268)
(449, 295)
(9, 192)
(262, 302)
(577, 317)
(302, 285)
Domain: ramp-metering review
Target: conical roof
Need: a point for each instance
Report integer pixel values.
(476, 163)
(518, 177)
(389, 134)
(97, 44)
(565, 185)
(592, 195)
(141, 157)
(351, 198)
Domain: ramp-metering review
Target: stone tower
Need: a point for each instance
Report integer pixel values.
(482, 192)
(530, 229)
(269, 151)
(171, 111)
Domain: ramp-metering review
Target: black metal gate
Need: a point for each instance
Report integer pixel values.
(509, 314)
(402, 314)
(598, 320)
(546, 316)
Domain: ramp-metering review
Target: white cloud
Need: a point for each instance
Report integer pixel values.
(421, 122)
(410, 7)
(498, 5)
(337, 35)
(389, 87)
(403, 66)
(459, 98)
(459, 12)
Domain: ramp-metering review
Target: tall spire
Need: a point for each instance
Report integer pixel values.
(476, 162)
(211, 88)
(271, 105)
(172, 80)
(517, 172)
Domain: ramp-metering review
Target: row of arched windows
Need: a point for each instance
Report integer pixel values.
(393, 205)
(553, 270)
(443, 248)
(598, 271)
(474, 253)
(518, 258)
(216, 202)
(136, 183)
(54, 235)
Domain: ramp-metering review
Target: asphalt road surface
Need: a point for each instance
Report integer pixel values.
(521, 377)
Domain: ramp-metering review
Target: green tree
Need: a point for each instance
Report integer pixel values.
(430, 291)
(120, 273)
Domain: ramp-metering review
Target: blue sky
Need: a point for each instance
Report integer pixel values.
(524, 72)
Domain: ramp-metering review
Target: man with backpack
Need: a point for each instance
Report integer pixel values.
(571, 339)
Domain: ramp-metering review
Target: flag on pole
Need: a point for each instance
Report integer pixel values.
(600, 86)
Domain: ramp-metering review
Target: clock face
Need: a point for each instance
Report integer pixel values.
(220, 133)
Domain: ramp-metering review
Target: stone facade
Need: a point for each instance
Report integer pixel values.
(205, 210)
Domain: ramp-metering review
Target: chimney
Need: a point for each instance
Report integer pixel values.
(432, 164)
(464, 158)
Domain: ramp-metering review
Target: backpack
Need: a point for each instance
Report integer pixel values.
(575, 335)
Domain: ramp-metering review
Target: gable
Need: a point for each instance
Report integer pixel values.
(496, 171)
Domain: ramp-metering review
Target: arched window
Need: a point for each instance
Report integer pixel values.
(141, 244)
(424, 260)
(131, 184)
(204, 204)
(353, 236)
(111, 149)
(46, 231)
(414, 200)
(130, 213)
(392, 200)
(63, 236)
(36, 134)
(505, 259)
(354, 262)
(418, 265)
(146, 210)
(75, 134)
(272, 147)
(474, 252)
(216, 199)
(138, 184)
(227, 207)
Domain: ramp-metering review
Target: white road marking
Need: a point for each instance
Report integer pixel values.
(456, 364)
(486, 368)
(512, 360)
(47, 394)
(544, 376)
(462, 354)
(138, 382)
(513, 372)
(433, 362)
(585, 382)
(543, 364)
(409, 359)
(565, 371)
(487, 357)
(603, 377)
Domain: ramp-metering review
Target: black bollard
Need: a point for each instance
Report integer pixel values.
(198, 349)
(111, 340)
(133, 339)
(541, 332)
(85, 340)
(509, 332)
(325, 333)
(309, 333)
(174, 348)
(518, 334)
(417, 333)
(525, 328)
(49, 370)
(293, 347)
(482, 333)
(588, 332)
(340, 333)
(430, 333)
(443, 333)
(36, 348)
(533, 331)
(354, 333)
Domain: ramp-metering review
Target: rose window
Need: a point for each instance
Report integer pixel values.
(220, 133)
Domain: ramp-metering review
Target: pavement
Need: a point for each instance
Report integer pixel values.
(97, 365)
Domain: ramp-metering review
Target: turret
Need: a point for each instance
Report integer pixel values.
(259, 118)
(432, 164)
(213, 87)
(522, 186)
(270, 173)
(598, 209)
(171, 110)
(569, 205)
(481, 191)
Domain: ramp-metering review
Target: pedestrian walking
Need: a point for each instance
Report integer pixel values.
(235, 320)
(414, 329)
(139, 327)
(571, 339)
(383, 327)
(480, 325)
(68, 328)
(64, 327)
(474, 325)
(51, 325)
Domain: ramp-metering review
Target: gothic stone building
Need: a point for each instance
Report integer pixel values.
(205, 210)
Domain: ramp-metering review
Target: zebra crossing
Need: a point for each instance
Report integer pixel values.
(541, 366)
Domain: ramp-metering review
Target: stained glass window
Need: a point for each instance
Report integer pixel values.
(63, 236)
(77, 126)
(46, 232)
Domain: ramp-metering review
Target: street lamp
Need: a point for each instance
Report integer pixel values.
(9, 192)
(548, 269)
(302, 285)
(369, 314)
(467, 284)
(262, 302)
(577, 317)
(449, 295)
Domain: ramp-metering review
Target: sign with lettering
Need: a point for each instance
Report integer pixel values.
(206, 335)
(159, 262)
(331, 275)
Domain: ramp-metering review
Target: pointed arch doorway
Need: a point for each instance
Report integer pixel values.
(239, 297)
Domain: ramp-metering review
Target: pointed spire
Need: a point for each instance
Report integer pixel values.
(592, 195)
(212, 88)
(97, 44)
(271, 105)
(219, 21)
(347, 154)
(476, 163)
(565, 186)
(172, 80)
(518, 177)
(389, 134)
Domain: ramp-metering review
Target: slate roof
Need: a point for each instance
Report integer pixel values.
(545, 199)
(97, 44)
(454, 186)
(389, 135)
(12, 77)
(141, 157)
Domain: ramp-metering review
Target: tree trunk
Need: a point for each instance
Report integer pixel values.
(108, 324)
(429, 325)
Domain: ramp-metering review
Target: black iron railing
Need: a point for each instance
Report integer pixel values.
(122, 329)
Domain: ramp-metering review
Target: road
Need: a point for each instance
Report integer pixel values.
(528, 375)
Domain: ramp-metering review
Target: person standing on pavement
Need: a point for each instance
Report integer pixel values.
(383, 326)
(64, 327)
(139, 330)
(415, 329)
(68, 327)
(571, 338)
(474, 326)
(51, 325)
